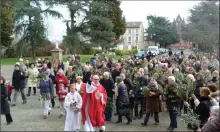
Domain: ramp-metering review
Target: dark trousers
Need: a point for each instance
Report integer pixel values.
(53, 102)
(156, 117)
(116, 104)
(136, 104)
(29, 90)
(108, 114)
(127, 117)
(9, 97)
(8, 118)
(173, 112)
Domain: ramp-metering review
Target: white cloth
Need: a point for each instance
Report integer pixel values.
(62, 109)
(214, 101)
(78, 86)
(46, 106)
(73, 117)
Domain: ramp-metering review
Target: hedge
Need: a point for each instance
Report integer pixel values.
(126, 52)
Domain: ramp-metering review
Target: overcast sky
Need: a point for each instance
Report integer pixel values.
(132, 10)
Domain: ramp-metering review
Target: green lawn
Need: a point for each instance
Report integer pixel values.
(12, 61)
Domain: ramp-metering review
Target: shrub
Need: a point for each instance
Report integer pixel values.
(125, 52)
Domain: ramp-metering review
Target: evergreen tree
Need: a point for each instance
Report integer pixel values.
(7, 25)
(100, 25)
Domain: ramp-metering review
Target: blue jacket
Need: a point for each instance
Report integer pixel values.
(46, 86)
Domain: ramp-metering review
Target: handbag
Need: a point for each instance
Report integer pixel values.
(123, 110)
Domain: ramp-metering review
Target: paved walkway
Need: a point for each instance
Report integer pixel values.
(29, 117)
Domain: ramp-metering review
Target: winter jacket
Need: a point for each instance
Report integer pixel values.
(203, 109)
(123, 94)
(60, 79)
(18, 78)
(212, 126)
(5, 109)
(108, 85)
(46, 86)
(32, 77)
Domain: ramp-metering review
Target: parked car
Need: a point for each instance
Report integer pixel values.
(154, 50)
(141, 54)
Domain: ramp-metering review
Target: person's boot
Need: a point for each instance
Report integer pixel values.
(29, 91)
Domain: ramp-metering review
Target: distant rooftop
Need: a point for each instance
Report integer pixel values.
(133, 24)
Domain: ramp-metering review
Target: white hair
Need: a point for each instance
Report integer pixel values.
(106, 74)
(123, 76)
(61, 71)
(215, 110)
(176, 70)
(172, 78)
(190, 76)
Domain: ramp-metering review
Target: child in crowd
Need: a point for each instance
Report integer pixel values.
(73, 104)
(10, 88)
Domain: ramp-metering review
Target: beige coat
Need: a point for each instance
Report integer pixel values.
(32, 77)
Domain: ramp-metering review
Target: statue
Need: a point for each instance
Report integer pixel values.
(57, 45)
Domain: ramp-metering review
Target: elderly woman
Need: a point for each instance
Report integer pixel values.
(32, 78)
(46, 91)
(123, 101)
(153, 102)
(213, 124)
(5, 109)
(61, 90)
(108, 84)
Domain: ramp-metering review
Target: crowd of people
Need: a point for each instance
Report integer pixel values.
(147, 86)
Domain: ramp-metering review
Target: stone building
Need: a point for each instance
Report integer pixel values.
(133, 37)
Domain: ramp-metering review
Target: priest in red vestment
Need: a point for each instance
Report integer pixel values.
(93, 107)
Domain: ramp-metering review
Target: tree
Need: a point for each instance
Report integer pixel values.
(116, 17)
(75, 32)
(203, 26)
(100, 25)
(29, 23)
(7, 24)
(161, 31)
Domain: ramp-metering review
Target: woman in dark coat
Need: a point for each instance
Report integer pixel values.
(123, 101)
(5, 109)
(19, 85)
(153, 102)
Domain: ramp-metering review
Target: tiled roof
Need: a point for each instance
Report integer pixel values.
(133, 24)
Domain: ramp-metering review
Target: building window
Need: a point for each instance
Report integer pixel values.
(129, 39)
(136, 31)
(136, 39)
(129, 30)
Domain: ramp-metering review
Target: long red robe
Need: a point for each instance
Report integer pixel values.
(96, 109)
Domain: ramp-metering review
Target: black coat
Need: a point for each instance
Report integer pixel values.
(5, 109)
(108, 85)
(86, 77)
(115, 73)
(203, 109)
(18, 80)
(123, 94)
(138, 91)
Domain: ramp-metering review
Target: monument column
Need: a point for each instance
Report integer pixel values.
(57, 53)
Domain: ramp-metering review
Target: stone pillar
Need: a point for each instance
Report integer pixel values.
(57, 53)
